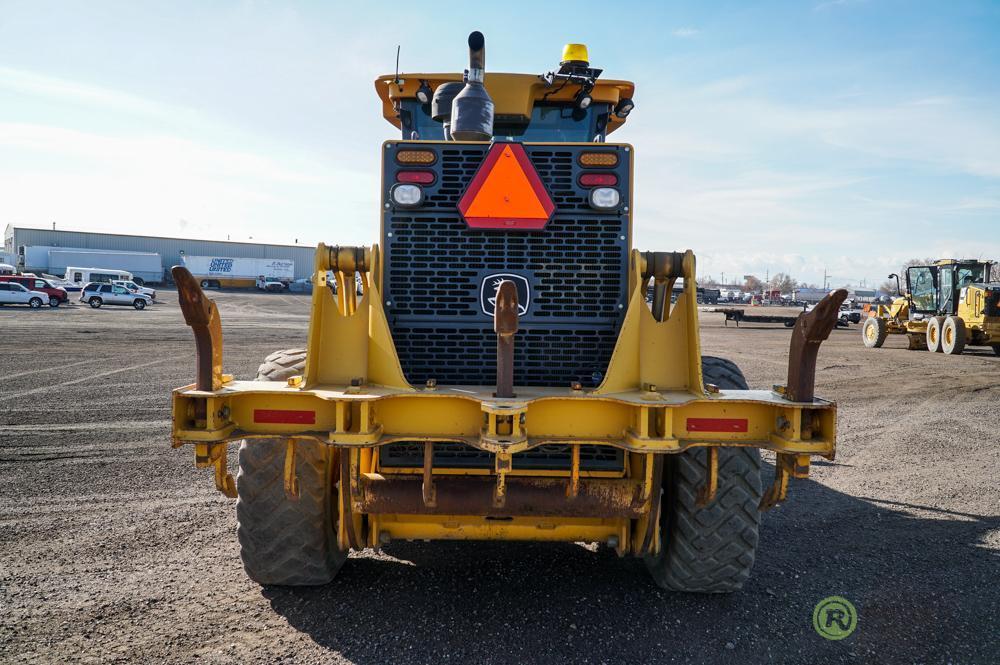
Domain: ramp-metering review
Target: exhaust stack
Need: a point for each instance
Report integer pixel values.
(472, 109)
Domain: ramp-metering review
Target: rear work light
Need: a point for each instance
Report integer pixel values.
(423, 157)
(417, 177)
(406, 195)
(598, 179)
(605, 159)
(604, 198)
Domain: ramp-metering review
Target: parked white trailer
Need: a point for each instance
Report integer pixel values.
(809, 295)
(225, 271)
(143, 266)
(77, 277)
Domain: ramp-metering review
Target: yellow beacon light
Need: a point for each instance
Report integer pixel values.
(575, 53)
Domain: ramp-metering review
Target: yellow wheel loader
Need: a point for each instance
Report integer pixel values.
(501, 376)
(947, 306)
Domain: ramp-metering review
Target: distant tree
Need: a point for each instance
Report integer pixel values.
(995, 273)
(783, 283)
(888, 287)
(752, 284)
(911, 263)
(708, 281)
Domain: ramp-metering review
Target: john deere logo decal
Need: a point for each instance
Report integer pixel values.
(488, 292)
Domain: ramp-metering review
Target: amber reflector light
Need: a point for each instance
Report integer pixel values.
(415, 157)
(599, 159)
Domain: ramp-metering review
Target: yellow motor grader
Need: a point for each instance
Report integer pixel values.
(947, 306)
(501, 375)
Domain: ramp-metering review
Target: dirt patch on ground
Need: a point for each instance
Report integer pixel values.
(115, 548)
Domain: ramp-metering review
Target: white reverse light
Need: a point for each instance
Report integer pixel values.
(604, 198)
(407, 196)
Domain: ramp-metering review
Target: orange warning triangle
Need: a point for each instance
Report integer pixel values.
(506, 192)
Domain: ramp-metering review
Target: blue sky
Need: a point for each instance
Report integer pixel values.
(785, 136)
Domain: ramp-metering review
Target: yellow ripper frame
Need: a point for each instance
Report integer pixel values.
(354, 397)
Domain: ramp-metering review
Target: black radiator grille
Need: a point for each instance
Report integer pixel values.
(451, 455)
(437, 270)
(468, 355)
(434, 263)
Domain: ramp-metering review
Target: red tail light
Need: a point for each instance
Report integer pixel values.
(415, 177)
(598, 180)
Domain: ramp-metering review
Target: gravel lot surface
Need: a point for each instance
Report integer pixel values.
(113, 547)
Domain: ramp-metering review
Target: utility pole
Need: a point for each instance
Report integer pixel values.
(824, 280)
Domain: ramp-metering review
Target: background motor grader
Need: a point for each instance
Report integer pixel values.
(501, 375)
(947, 306)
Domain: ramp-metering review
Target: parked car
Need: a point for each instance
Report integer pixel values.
(135, 288)
(12, 293)
(54, 295)
(95, 295)
(303, 285)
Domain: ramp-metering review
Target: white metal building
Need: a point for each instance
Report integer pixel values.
(170, 249)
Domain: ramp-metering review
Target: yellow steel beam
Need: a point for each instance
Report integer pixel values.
(471, 527)
(671, 424)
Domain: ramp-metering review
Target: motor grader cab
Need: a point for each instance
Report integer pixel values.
(948, 305)
(501, 375)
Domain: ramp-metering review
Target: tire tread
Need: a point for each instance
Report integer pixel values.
(284, 541)
(710, 549)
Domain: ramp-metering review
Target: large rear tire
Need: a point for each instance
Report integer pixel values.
(282, 365)
(953, 336)
(934, 325)
(710, 549)
(874, 332)
(285, 541)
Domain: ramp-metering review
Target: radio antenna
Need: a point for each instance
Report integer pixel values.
(397, 65)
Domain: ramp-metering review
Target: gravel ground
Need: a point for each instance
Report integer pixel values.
(113, 547)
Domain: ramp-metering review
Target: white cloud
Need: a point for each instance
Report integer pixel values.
(686, 32)
(35, 84)
(742, 177)
(150, 183)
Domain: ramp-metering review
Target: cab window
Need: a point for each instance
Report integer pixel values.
(969, 275)
(78, 277)
(922, 288)
(120, 289)
(41, 284)
(550, 122)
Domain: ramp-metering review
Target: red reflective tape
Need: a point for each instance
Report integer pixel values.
(284, 417)
(717, 424)
(519, 223)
